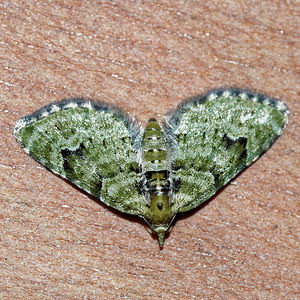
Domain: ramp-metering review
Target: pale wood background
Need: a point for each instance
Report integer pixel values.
(147, 56)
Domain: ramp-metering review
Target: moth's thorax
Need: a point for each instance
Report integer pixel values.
(155, 168)
(159, 209)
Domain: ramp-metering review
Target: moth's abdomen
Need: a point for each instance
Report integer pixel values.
(155, 166)
(157, 182)
(154, 158)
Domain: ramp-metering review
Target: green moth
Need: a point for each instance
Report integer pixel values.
(164, 169)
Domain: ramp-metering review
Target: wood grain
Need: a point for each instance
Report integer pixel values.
(147, 56)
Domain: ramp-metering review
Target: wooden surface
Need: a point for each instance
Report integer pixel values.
(147, 56)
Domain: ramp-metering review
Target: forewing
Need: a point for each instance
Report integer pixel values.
(218, 135)
(91, 145)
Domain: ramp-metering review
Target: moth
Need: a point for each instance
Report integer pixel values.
(165, 169)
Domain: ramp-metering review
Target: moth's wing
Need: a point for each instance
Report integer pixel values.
(91, 145)
(215, 136)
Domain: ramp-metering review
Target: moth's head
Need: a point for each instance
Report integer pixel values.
(161, 232)
(161, 229)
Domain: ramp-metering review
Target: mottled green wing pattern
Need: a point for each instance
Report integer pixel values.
(218, 135)
(90, 145)
(160, 171)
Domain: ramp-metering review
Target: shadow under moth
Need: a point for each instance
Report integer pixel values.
(162, 170)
